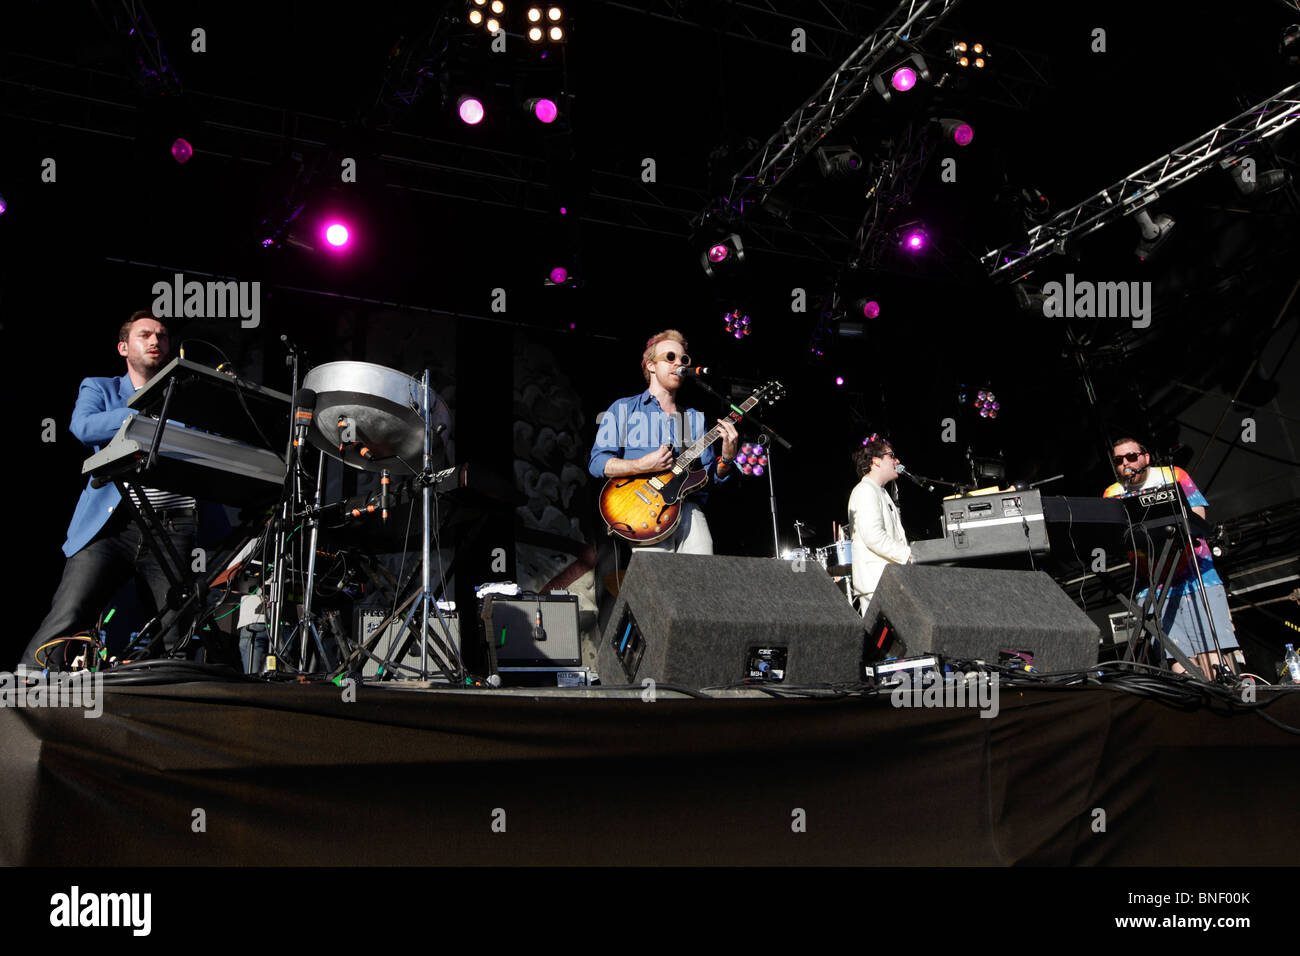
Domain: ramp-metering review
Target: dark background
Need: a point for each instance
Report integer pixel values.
(447, 213)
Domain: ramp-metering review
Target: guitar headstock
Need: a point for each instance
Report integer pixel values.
(770, 393)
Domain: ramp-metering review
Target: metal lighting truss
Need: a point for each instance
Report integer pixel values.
(129, 19)
(808, 127)
(1143, 187)
(893, 180)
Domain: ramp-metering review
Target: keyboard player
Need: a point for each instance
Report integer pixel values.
(1184, 614)
(105, 549)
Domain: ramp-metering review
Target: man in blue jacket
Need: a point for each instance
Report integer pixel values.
(105, 548)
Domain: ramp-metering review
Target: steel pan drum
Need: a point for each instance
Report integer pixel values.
(381, 405)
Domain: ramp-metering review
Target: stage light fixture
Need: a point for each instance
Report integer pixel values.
(902, 77)
(838, 162)
(497, 7)
(738, 323)
(979, 62)
(1252, 183)
(1155, 232)
(867, 308)
(337, 235)
(1029, 298)
(987, 403)
(534, 14)
(1289, 46)
(535, 34)
(182, 151)
(493, 25)
(913, 239)
(752, 458)
(959, 131)
(556, 34)
(3, 205)
(542, 109)
(727, 253)
(554, 14)
(839, 379)
(470, 110)
(476, 17)
(559, 275)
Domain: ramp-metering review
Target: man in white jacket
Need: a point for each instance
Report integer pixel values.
(874, 522)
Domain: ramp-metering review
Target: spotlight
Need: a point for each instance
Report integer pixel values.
(497, 7)
(956, 130)
(913, 239)
(3, 205)
(837, 162)
(535, 34)
(987, 403)
(480, 3)
(752, 458)
(470, 109)
(554, 14)
(737, 323)
(1249, 182)
(559, 275)
(182, 151)
(336, 234)
(869, 308)
(476, 17)
(1289, 46)
(839, 379)
(543, 109)
(725, 253)
(902, 77)
(962, 52)
(493, 25)
(534, 14)
(557, 34)
(979, 62)
(1155, 232)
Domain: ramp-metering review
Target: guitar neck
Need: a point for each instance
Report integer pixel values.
(688, 458)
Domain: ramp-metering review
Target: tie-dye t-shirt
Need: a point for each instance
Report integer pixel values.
(1186, 575)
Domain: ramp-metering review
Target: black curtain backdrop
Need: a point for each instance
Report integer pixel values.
(293, 775)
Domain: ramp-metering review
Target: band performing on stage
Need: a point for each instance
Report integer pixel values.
(162, 460)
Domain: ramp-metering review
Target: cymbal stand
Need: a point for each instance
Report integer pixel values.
(289, 500)
(306, 626)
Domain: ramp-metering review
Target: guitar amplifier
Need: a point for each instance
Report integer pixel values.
(367, 619)
(986, 526)
(536, 630)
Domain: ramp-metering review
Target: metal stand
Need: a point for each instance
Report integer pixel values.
(306, 626)
(451, 664)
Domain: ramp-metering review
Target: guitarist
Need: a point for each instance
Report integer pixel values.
(640, 433)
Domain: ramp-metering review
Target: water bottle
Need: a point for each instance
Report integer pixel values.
(1291, 666)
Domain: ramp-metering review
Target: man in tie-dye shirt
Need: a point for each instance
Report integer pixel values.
(1184, 614)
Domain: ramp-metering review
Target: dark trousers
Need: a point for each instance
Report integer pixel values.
(94, 574)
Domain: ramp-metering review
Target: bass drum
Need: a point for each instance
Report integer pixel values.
(380, 406)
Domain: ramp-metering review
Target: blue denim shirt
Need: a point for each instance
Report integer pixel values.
(637, 425)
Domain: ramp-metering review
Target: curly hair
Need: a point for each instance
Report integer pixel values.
(874, 447)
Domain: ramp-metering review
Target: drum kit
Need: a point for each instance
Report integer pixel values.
(374, 419)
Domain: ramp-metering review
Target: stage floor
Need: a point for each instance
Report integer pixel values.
(245, 773)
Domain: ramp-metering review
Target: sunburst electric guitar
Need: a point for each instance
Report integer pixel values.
(645, 509)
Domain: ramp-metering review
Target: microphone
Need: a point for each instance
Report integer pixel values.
(898, 467)
(304, 401)
(689, 371)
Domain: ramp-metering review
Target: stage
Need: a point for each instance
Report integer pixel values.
(244, 773)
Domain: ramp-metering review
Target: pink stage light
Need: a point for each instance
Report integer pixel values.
(963, 134)
(471, 110)
(559, 275)
(336, 234)
(718, 252)
(182, 150)
(904, 79)
(545, 110)
(839, 379)
(871, 309)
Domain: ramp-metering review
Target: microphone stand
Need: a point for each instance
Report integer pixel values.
(769, 434)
